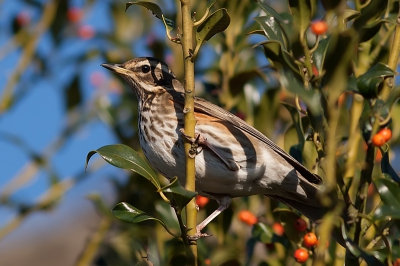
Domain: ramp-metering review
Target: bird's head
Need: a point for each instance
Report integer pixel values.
(147, 75)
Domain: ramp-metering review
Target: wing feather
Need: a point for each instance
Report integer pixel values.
(220, 113)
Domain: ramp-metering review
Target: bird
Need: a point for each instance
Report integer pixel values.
(233, 158)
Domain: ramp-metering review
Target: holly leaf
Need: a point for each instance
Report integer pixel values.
(180, 195)
(129, 214)
(368, 84)
(125, 157)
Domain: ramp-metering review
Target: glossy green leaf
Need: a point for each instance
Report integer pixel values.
(180, 195)
(320, 53)
(125, 157)
(370, 30)
(129, 214)
(310, 97)
(302, 11)
(276, 19)
(369, 82)
(389, 192)
(358, 252)
(272, 29)
(337, 62)
(280, 58)
(387, 168)
(370, 13)
(215, 23)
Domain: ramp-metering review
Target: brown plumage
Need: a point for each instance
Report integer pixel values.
(235, 160)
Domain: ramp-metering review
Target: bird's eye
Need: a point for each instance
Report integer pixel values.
(145, 68)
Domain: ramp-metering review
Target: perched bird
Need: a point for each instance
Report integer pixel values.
(235, 159)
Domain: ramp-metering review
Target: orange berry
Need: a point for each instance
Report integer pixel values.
(378, 140)
(386, 133)
(247, 217)
(207, 262)
(300, 225)
(326, 244)
(278, 229)
(378, 157)
(310, 240)
(396, 262)
(301, 255)
(319, 27)
(201, 201)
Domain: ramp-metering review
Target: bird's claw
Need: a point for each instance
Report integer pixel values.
(197, 236)
(194, 149)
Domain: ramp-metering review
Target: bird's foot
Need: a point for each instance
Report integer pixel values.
(198, 235)
(196, 141)
(200, 140)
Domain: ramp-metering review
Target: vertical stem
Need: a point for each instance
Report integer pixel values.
(189, 123)
(393, 61)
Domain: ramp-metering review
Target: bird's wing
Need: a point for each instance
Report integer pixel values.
(209, 108)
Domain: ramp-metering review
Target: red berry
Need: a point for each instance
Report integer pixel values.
(396, 262)
(23, 18)
(97, 79)
(300, 225)
(319, 27)
(386, 133)
(378, 140)
(315, 70)
(247, 217)
(301, 255)
(201, 201)
(86, 32)
(278, 229)
(74, 14)
(310, 240)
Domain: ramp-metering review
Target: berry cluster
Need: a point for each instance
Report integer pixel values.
(310, 240)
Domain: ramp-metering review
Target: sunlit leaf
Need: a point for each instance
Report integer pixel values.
(302, 11)
(272, 29)
(180, 195)
(277, 22)
(215, 23)
(129, 214)
(125, 157)
(350, 14)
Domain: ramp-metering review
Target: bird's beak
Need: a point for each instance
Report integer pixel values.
(114, 67)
